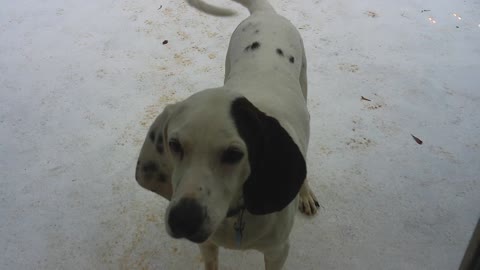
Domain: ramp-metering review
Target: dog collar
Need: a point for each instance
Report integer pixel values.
(238, 227)
(235, 211)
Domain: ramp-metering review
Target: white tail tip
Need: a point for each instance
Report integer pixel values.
(210, 9)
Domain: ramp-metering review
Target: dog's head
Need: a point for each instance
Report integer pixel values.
(208, 152)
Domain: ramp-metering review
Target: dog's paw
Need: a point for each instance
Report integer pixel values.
(308, 203)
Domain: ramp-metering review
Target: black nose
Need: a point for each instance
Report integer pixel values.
(186, 218)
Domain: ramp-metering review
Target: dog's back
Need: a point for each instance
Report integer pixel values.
(266, 63)
(264, 46)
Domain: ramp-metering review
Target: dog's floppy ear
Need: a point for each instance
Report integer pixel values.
(277, 167)
(154, 167)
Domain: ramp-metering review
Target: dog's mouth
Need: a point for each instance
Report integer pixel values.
(198, 237)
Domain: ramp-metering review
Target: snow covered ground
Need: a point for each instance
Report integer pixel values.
(81, 81)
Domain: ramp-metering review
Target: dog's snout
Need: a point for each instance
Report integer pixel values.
(186, 218)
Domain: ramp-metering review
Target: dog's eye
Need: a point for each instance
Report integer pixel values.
(175, 146)
(231, 156)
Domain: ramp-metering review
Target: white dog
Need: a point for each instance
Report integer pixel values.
(231, 160)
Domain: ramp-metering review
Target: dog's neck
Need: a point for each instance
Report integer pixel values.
(237, 207)
(235, 211)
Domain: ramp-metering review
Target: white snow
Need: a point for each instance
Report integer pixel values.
(81, 82)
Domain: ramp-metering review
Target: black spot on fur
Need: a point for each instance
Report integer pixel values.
(162, 177)
(248, 26)
(160, 148)
(151, 135)
(159, 145)
(280, 52)
(291, 59)
(275, 160)
(255, 45)
(150, 167)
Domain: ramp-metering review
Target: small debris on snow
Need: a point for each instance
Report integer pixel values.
(371, 14)
(364, 98)
(165, 42)
(417, 139)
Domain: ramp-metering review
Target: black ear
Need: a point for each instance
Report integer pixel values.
(277, 166)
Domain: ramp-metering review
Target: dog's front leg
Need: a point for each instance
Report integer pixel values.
(210, 255)
(275, 257)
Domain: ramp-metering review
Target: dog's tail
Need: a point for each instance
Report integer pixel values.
(256, 5)
(252, 5)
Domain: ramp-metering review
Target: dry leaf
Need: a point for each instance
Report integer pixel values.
(363, 98)
(417, 139)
